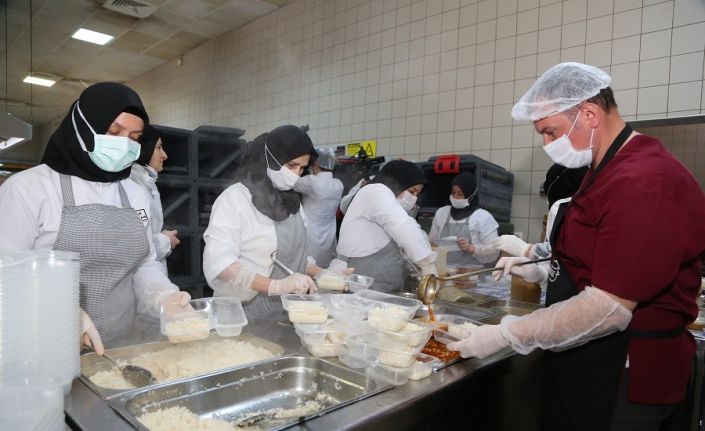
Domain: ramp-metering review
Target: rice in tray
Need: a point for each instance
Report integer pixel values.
(185, 360)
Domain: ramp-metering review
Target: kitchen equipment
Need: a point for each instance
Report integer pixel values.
(236, 395)
(92, 363)
(428, 286)
(136, 376)
(39, 316)
(281, 265)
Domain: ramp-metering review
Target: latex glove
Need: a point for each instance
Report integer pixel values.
(483, 341)
(89, 334)
(181, 298)
(295, 283)
(339, 266)
(511, 244)
(465, 246)
(173, 239)
(532, 273)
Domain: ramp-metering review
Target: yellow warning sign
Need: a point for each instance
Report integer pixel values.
(370, 148)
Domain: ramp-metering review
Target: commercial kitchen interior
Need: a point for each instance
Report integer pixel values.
(421, 77)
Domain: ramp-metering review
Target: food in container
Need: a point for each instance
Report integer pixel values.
(330, 280)
(391, 317)
(192, 322)
(305, 308)
(439, 350)
(415, 333)
(321, 340)
(419, 370)
(462, 330)
(397, 358)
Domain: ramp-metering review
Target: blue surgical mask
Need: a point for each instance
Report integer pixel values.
(110, 153)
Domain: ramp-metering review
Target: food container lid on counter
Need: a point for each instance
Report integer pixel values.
(358, 282)
(373, 299)
(191, 322)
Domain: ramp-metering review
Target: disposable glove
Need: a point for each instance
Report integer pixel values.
(511, 244)
(340, 267)
(89, 334)
(181, 298)
(482, 342)
(428, 265)
(584, 317)
(295, 283)
(532, 273)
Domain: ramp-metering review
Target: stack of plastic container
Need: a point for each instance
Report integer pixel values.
(39, 329)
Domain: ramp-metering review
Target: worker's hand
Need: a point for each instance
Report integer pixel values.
(173, 239)
(465, 246)
(89, 334)
(511, 244)
(483, 341)
(532, 273)
(295, 283)
(181, 298)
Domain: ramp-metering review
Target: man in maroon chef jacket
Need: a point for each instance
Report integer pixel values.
(625, 271)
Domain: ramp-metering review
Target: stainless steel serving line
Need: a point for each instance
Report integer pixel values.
(502, 391)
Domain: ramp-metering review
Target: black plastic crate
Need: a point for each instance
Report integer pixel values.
(494, 184)
(219, 151)
(176, 204)
(180, 262)
(176, 144)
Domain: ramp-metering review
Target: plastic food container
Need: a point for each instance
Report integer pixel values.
(229, 316)
(356, 354)
(358, 282)
(187, 323)
(444, 337)
(324, 349)
(423, 366)
(373, 299)
(458, 326)
(387, 317)
(384, 373)
(400, 358)
(305, 308)
(327, 280)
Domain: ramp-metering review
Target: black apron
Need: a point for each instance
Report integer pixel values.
(581, 384)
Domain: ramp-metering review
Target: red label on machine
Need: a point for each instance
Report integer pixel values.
(448, 164)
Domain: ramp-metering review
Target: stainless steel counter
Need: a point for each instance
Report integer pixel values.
(500, 392)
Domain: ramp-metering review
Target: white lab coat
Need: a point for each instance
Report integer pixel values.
(30, 214)
(237, 233)
(374, 218)
(147, 178)
(321, 197)
(481, 226)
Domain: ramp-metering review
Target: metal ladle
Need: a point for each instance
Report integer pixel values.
(136, 376)
(428, 284)
(279, 264)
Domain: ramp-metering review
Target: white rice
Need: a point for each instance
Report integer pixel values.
(462, 330)
(188, 329)
(182, 419)
(391, 318)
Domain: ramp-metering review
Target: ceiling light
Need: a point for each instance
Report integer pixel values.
(13, 131)
(92, 36)
(37, 80)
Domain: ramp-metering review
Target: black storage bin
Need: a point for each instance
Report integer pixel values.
(180, 262)
(219, 151)
(494, 185)
(176, 204)
(176, 145)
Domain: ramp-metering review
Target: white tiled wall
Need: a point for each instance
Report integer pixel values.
(438, 76)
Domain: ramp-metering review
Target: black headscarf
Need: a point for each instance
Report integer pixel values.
(466, 182)
(148, 141)
(562, 182)
(285, 143)
(100, 103)
(399, 175)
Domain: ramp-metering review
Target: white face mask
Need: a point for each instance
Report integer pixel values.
(110, 153)
(407, 200)
(282, 179)
(562, 151)
(459, 203)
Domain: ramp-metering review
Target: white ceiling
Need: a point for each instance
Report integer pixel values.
(140, 45)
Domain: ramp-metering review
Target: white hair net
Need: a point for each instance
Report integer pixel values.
(326, 158)
(560, 88)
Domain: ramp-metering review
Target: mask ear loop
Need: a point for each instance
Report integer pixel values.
(548, 190)
(75, 128)
(272, 155)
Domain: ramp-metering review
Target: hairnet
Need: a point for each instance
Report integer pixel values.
(326, 158)
(560, 88)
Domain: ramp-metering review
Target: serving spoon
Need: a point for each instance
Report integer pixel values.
(135, 375)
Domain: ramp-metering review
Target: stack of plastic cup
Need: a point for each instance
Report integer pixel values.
(39, 330)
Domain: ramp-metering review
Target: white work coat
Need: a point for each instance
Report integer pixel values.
(147, 178)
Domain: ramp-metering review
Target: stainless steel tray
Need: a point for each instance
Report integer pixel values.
(92, 363)
(285, 382)
(471, 311)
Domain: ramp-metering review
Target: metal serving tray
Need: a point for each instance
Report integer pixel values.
(511, 307)
(92, 363)
(285, 382)
(471, 311)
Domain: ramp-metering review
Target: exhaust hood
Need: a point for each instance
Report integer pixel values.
(13, 131)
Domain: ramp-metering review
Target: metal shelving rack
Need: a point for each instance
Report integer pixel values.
(200, 166)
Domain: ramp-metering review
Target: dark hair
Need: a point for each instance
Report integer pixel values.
(604, 99)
